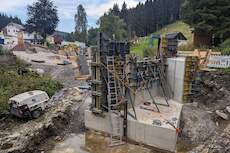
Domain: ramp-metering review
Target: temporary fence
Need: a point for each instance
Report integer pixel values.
(219, 61)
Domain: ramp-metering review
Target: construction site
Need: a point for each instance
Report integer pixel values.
(145, 78)
(115, 101)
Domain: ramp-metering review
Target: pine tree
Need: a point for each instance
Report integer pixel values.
(124, 13)
(44, 22)
(208, 16)
(115, 11)
(4, 20)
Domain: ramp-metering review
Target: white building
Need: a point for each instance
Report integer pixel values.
(12, 30)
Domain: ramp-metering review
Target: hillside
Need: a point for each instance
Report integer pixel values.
(178, 26)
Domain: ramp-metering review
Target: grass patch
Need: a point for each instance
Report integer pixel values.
(225, 70)
(225, 47)
(178, 26)
(11, 83)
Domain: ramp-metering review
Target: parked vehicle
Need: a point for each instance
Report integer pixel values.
(29, 104)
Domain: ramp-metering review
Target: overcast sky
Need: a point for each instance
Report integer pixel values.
(66, 9)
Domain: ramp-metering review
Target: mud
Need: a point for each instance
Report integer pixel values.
(97, 143)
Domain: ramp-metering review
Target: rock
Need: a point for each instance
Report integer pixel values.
(228, 109)
(58, 138)
(195, 104)
(6, 146)
(218, 143)
(222, 114)
(197, 124)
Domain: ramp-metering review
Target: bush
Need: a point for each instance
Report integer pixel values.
(2, 51)
(225, 47)
(187, 47)
(149, 52)
(12, 83)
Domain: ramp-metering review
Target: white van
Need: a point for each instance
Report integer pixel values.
(29, 104)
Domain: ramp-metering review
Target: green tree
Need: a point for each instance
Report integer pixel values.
(70, 37)
(4, 20)
(113, 26)
(124, 13)
(115, 11)
(92, 36)
(42, 17)
(208, 16)
(81, 24)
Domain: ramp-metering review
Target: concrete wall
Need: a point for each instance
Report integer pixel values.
(143, 95)
(160, 137)
(175, 76)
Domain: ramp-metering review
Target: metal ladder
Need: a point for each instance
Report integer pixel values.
(115, 117)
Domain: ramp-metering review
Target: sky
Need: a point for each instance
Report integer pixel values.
(66, 10)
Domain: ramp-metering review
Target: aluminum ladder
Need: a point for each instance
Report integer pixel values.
(115, 117)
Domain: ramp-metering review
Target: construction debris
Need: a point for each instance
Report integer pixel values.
(228, 109)
(222, 114)
(25, 137)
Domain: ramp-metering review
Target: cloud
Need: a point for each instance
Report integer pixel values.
(96, 10)
(11, 5)
(67, 8)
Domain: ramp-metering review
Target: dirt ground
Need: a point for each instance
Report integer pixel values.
(63, 73)
(204, 130)
(61, 130)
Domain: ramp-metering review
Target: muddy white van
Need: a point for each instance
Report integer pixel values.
(29, 104)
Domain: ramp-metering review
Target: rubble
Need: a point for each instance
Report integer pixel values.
(198, 125)
(207, 126)
(27, 136)
(220, 143)
(222, 114)
(213, 91)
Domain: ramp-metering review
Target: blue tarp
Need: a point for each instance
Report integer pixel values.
(1, 41)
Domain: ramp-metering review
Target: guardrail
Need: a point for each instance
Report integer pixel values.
(219, 61)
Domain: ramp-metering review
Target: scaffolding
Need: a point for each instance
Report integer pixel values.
(117, 76)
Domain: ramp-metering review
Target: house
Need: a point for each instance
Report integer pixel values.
(178, 36)
(33, 37)
(174, 40)
(59, 37)
(202, 39)
(12, 31)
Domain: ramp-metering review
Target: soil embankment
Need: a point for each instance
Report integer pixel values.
(204, 129)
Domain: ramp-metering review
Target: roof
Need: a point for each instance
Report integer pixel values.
(60, 33)
(21, 97)
(176, 35)
(16, 25)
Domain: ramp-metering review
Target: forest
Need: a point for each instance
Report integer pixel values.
(5, 19)
(148, 17)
